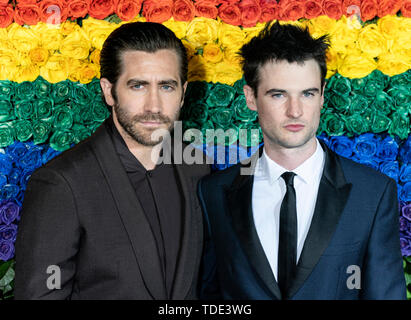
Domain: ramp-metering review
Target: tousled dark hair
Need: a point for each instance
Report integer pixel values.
(282, 42)
(141, 36)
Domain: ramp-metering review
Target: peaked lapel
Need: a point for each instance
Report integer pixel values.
(239, 197)
(332, 196)
(131, 213)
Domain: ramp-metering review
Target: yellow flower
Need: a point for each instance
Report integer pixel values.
(356, 65)
(23, 39)
(178, 27)
(191, 51)
(227, 73)
(370, 41)
(212, 53)
(232, 56)
(95, 56)
(199, 70)
(8, 60)
(56, 69)
(27, 73)
(230, 36)
(38, 56)
(76, 45)
(3, 34)
(68, 27)
(390, 26)
(321, 25)
(391, 64)
(98, 31)
(253, 31)
(50, 36)
(332, 59)
(344, 36)
(84, 72)
(201, 31)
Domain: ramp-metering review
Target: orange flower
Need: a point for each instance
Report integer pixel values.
(26, 14)
(406, 8)
(6, 15)
(100, 9)
(269, 10)
(333, 8)
(230, 13)
(53, 11)
(183, 10)
(157, 10)
(368, 9)
(388, 7)
(78, 8)
(250, 12)
(313, 9)
(291, 9)
(206, 8)
(127, 9)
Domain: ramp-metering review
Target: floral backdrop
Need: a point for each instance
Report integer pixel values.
(50, 96)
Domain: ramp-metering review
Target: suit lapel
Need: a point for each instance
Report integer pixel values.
(131, 214)
(332, 196)
(239, 197)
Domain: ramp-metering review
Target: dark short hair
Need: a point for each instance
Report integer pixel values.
(282, 42)
(139, 36)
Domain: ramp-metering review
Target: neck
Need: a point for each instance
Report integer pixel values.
(290, 158)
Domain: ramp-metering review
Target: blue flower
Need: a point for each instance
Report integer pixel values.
(342, 145)
(405, 194)
(9, 191)
(6, 163)
(9, 212)
(32, 159)
(405, 151)
(387, 149)
(405, 173)
(390, 168)
(3, 180)
(405, 244)
(6, 250)
(365, 146)
(49, 154)
(8, 233)
(17, 150)
(406, 212)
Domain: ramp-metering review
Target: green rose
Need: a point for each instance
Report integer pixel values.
(6, 111)
(402, 80)
(207, 129)
(230, 135)
(94, 87)
(43, 107)
(249, 134)
(62, 119)
(42, 88)
(99, 110)
(220, 95)
(25, 91)
(239, 85)
(359, 84)
(81, 95)
(222, 117)
(80, 132)
(401, 96)
(332, 124)
(355, 125)
(83, 114)
(61, 92)
(41, 131)
(61, 140)
(376, 81)
(24, 109)
(197, 112)
(358, 104)
(339, 85)
(93, 126)
(340, 103)
(6, 90)
(197, 91)
(23, 129)
(400, 125)
(380, 122)
(242, 112)
(383, 103)
(6, 135)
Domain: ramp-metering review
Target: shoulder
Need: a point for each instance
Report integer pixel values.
(221, 177)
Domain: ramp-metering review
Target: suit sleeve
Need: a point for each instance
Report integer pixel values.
(383, 275)
(47, 240)
(209, 286)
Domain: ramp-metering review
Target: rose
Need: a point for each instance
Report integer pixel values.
(206, 8)
(368, 9)
(342, 145)
(404, 224)
(332, 8)
(201, 31)
(23, 129)
(406, 212)
(380, 122)
(400, 125)
(332, 124)
(6, 15)
(227, 73)
(406, 8)
(81, 95)
(62, 119)
(339, 85)
(25, 90)
(405, 151)
(42, 108)
(356, 124)
(220, 95)
(249, 134)
(291, 9)
(388, 7)
(6, 89)
(250, 12)
(365, 146)
(78, 8)
(61, 92)
(401, 80)
(269, 10)
(197, 112)
(56, 68)
(127, 9)
(26, 14)
(370, 41)
(6, 250)
(230, 36)
(239, 85)
(197, 91)
(6, 111)
(390, 168)
(242, 112)
(80, 132)
(100, 9)
(75, 45)
(24, 109)
(41, 131)
(94, 87)
(38, 56)
(157, 10)
(5, 164)
(358, 104)
(383, 103)
(50, 9)
(401, 96)
(405, 174)
(405, 194)
(313, 9)
(221, 117)
(97, 31)
(212, 53)
(32, 159)
(61, 140)
(87, 72)
(230, 13)
(99, 110)
(49, 154)
(405, 245)
(3, 180)
(356, 66)
(183, 10)
(392, 64)
(339, 103)
(359, 84)
(9, 191)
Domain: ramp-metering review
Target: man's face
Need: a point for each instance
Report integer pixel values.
(149, 94)
(288, 103)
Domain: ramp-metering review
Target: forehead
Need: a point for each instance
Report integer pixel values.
(283, 74)
(141, 64)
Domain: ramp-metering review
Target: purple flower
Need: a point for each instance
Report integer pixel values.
(6, 250)
(404, 225)
(405, 194)
(405, 246)
(9, 211)
(406, 211)
(8, 233)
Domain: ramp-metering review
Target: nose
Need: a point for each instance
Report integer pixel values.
(153, 101)
(294, 108)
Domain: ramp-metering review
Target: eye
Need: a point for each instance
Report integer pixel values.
(277, 95)
(136, 86)
(308, 94)
(167, 87)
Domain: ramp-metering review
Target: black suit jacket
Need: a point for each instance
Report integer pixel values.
(81, 213)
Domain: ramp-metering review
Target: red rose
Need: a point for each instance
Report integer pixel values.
(313, 8)
(78, 8)
(184, 10)
(230, 13)
(368, 9)
(250, 12)
(100, 9)
(157, 10)
(27, 2)
(387, 7)
(206, 8)
(53, 11)
(333, 8)
(6, 15)
(127, 9)
(269, 10)
(26, 14)
(291, 9)
(406, 8)
(4, 3)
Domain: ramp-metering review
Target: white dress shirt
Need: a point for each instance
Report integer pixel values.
(268, 193)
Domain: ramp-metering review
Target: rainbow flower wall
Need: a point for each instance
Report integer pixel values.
(50, 95)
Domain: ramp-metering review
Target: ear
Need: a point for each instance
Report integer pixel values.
(106, 88)
(184, 93)
(250, 98)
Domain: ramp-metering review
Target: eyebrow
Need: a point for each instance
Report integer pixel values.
(144, 82)
(275, 90)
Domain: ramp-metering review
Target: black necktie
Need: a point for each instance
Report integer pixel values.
(287, 247)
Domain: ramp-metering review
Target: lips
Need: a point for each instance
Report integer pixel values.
(294, 127)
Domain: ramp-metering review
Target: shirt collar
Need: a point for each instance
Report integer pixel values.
(308, 171)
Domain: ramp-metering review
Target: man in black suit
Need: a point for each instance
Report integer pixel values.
(306, 223)
(107, 219)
